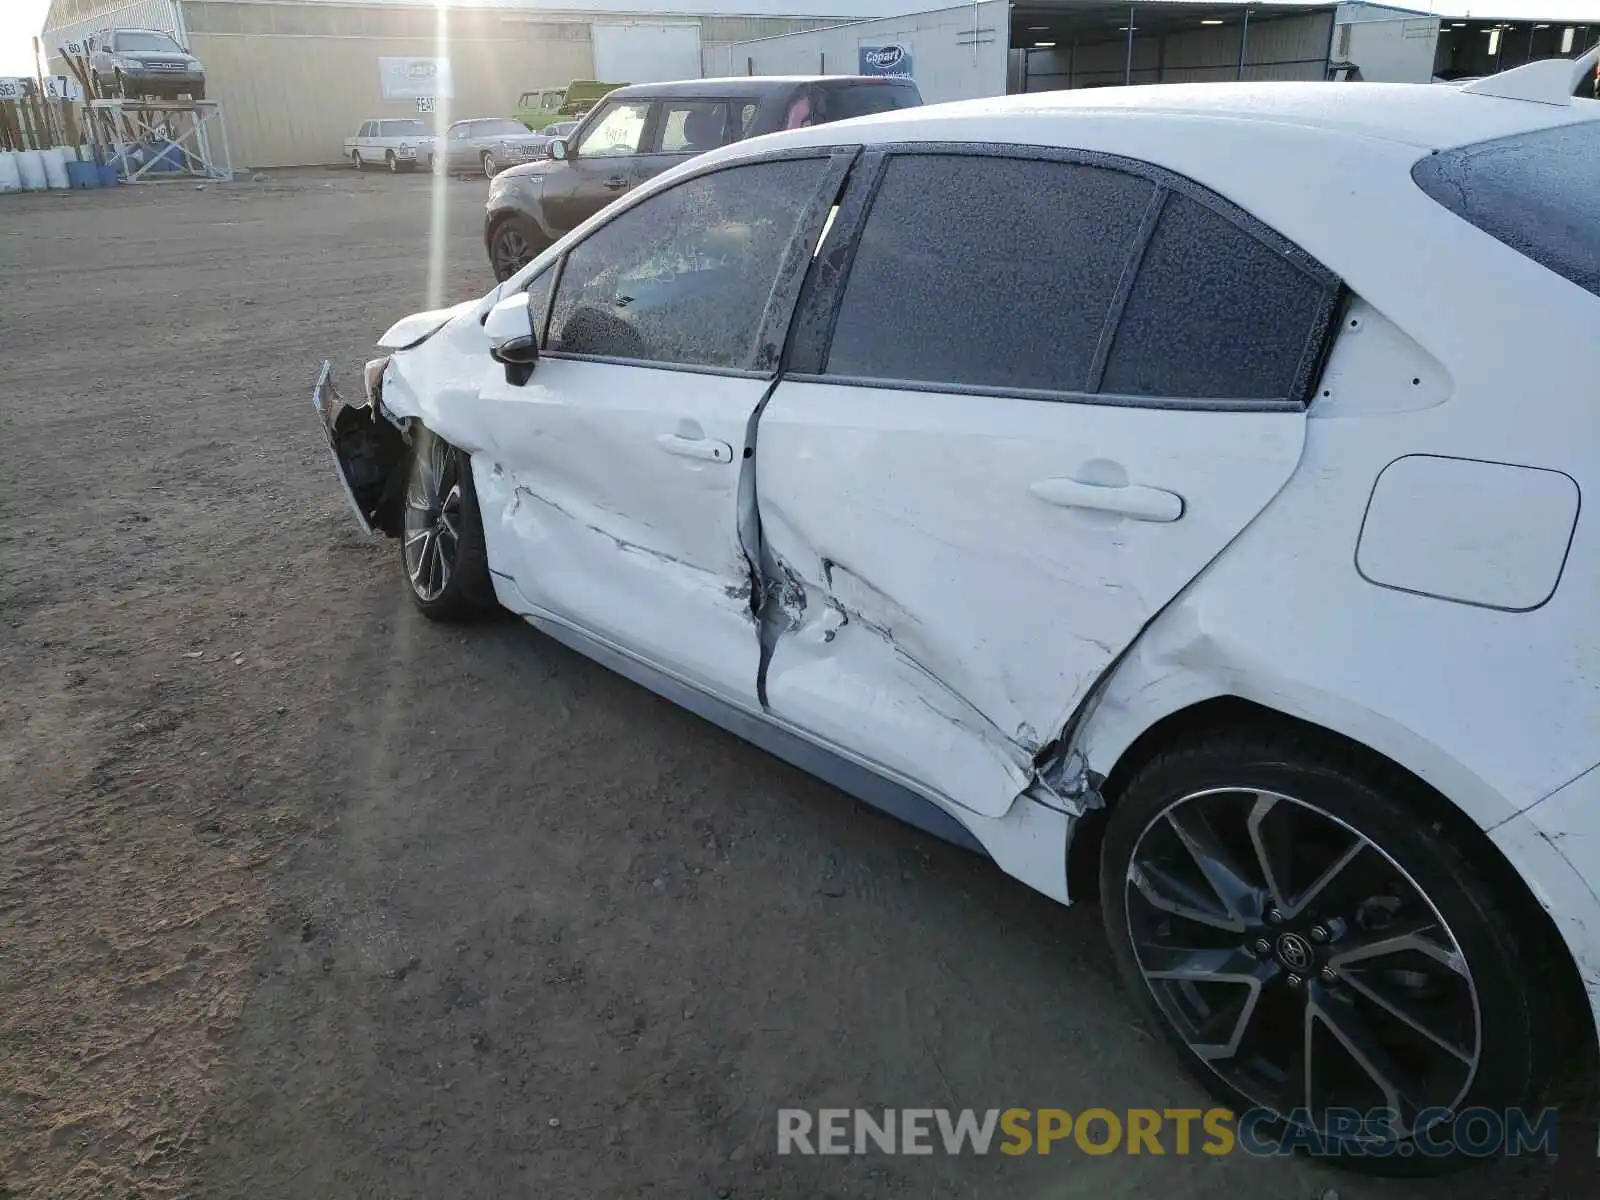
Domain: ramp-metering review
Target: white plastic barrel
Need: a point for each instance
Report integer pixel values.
(30, 165)
(55, 168)
(10, 177)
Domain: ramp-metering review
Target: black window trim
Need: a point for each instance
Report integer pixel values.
(785, 295)
(818, 310)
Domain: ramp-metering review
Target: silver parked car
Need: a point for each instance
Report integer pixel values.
(490, 145)
(144, 62)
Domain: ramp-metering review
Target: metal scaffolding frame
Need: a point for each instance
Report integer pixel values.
(180, 129)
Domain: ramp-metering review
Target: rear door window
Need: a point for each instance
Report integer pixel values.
(1217, 313)
(1539, 193)
(987, 272)
(693, 126)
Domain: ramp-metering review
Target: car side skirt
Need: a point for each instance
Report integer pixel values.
(858, 781)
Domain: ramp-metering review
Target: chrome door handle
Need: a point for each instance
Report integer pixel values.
(1131, 500)
(708, 449)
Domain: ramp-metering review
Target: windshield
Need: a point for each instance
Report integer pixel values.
(402, 129)
(1539, 193)
(147, 41)
(500, 128)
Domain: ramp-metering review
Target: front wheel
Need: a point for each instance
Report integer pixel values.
(1321, 954)
(441, 540)
(490, 170)
(355, 159)
(392, 163)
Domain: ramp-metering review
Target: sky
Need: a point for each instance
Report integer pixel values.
(20, 19)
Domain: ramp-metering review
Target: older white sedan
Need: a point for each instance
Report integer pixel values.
(1173, 493)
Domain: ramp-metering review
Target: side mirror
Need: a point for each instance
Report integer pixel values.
(557, 149)
(509, 328)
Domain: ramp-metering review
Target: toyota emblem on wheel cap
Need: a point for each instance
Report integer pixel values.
(1294, 952)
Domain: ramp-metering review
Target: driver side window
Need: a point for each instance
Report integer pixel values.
(684, 277)
(617, 131)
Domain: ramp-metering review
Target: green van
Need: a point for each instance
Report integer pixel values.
(545, 106)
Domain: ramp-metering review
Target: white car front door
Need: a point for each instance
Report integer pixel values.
(611, 486)
(1053, 392)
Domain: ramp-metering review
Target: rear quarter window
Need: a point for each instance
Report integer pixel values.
(1538, 193)
(864, 99)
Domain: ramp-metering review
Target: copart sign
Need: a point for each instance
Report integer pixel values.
(415, 78)
(893, 60)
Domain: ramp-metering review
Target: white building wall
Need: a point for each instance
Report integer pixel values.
(1398, 50)
(956, 53)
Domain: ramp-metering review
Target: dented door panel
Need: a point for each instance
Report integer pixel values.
(945, 613)
(610, 495)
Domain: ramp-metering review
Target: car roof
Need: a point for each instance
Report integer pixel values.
(742, 85)
(1414, 114)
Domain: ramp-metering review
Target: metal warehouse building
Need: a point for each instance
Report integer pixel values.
(296, 77)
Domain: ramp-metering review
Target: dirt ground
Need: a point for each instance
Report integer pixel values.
(303, 896)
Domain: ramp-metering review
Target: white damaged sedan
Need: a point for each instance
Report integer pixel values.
(1172, 493)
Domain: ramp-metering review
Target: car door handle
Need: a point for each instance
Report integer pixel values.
(616, 183)
(707, 448)
(1130, 500)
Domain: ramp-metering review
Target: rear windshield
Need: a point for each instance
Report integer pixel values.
(1539, 193)
(864, 99)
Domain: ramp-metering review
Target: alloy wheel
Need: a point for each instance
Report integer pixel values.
(512, 251)
(432, 520)
(1301, 964)
(489, 168)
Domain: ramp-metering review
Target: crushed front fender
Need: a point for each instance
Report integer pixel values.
(368, 452)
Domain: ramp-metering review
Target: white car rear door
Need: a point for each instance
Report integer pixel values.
(612, 483)
(1027, 403)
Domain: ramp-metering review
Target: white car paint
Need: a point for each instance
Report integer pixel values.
(919, 653)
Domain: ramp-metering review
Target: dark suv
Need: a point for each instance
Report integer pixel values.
(638, 132)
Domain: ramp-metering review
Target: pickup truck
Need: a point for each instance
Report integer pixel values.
(399, 143)
(538, 109)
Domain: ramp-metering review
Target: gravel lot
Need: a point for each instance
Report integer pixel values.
(303, 896)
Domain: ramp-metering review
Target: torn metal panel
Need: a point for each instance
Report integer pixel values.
(591, 504)
(956, 615)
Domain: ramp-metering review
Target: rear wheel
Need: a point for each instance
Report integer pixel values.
(490, 170)
(512, 246)
(1318, 951)
(441, 539)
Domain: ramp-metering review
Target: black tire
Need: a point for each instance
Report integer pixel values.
(355, 159)
(392, 163)
(119, 86)
(446, 573)
(486, 160)
(1202, 802)
(514, 242)
(199, 92)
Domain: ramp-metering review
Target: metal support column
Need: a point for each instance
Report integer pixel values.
(1127, 66)
(1244, 41)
